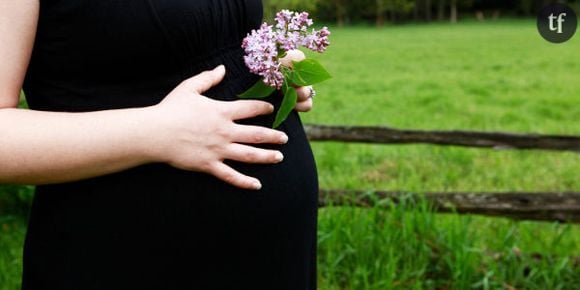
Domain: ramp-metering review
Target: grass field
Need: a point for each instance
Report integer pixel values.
(499, 76)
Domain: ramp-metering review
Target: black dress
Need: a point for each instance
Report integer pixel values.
(154, 226)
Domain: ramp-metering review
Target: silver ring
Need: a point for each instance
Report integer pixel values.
(312, 93)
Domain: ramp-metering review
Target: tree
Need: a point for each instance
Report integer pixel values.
(428, 10)
(343, 12)
(380, 10)
(393, 8)
(273, 6)
(454, 8)
(441, 10)
(453, 11)
(422, 10)
(340, 6)
(338, 10)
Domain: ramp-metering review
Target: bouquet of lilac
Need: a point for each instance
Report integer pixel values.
(266, 47)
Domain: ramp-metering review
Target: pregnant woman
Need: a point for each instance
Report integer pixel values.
(150, 172)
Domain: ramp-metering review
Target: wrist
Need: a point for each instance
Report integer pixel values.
(148, 140)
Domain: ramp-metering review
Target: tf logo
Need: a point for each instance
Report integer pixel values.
(557, 23)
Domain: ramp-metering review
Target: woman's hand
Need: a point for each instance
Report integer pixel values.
(197, 133)
(304, 103)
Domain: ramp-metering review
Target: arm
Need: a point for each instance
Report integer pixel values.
(49, 147)
(18, 20)
(45, 147)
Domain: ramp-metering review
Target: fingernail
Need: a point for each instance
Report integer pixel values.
(284, 139)
(279, 157)
(220, 67)
(257, 185)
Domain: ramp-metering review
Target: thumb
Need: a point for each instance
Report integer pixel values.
(206, 80)
(292, 55)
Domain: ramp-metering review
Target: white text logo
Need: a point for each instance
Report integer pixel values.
(559, 19)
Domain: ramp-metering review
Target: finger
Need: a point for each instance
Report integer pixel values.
(258, 134)
(205, 80)
(305, 106)
(249, 154)
(243, 109)
(292, 55)
(303, 93)
(233, 177)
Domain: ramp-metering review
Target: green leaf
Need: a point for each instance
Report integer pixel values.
(288, 104)
(308, 72)
(258, 90)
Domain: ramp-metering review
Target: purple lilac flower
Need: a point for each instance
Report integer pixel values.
(264, 46)
(262, 55)
(317, 40)
(292, 27)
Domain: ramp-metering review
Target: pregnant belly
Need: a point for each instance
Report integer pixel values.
(291, 181)
(160, 221)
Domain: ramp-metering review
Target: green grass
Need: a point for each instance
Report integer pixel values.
(12, 230)
(498, 76)
(495, 77)
(410, 247)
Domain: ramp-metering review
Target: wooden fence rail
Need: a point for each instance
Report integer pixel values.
(563, 206)
(496, 140)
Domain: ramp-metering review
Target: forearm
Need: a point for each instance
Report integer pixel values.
(49, 147)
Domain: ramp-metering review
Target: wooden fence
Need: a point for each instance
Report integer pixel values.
(549, 206)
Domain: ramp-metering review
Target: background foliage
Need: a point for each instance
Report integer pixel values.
(343, 12)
